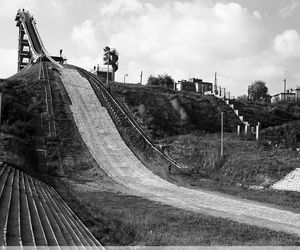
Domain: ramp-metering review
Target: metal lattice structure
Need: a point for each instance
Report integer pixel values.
(24, 51)
(30, 43)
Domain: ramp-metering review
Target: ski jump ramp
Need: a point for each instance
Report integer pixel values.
(112, 154)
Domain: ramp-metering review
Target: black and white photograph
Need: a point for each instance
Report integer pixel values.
(149, 124)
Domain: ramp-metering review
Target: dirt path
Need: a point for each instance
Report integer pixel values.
(116, 159)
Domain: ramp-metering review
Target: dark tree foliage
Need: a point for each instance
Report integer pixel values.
(242, 98)
(161, 80)
(258, 91)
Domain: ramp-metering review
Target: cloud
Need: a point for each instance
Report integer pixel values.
(8, 62)
(120, 7)
(57, 7)
(289, 9)
(84, 36)
(287, 44)
(86, 62)
(9, 8)
(180, 38)
(257, 14)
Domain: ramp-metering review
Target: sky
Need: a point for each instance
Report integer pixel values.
(242, 40)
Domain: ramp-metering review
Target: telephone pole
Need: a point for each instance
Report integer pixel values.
(0, 108)
(141, 78)
(216, 84)
(284, 88)
(222, 133)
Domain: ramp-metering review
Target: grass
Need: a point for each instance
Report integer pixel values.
(21, 103)
(268, 114)
(119, 219)
(165, 112)
(245, 164)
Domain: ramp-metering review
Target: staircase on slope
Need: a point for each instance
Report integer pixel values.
(240, 117)
(33, 214)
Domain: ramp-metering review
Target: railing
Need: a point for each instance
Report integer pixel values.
(118, 109)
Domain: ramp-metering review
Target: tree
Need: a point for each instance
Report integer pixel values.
(161, 80)
(258, 91)
(242, 98)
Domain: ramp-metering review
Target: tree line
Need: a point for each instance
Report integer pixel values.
(257, 91)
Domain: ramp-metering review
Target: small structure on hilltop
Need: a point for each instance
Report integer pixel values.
(291, 95)
(102, 73)
(194, 85)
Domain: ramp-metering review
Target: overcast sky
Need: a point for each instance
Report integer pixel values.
(243, 41)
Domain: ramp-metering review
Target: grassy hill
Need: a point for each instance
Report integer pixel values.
(194, 143)
(180, 120)
(22, 103)
(164, 112)
(266, 113)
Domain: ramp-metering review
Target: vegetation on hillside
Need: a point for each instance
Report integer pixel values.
(268, 114)
(164, 112)
(287, 135)
(258, 91)
(245, 164)
(161, 80)
(21, 105)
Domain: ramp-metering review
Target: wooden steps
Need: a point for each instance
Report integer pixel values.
(33, 214)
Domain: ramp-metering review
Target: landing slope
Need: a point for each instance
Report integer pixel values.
(115, 158)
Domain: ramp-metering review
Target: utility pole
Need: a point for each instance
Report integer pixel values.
(222, 133)
(107, 72)
(216, 84)
(284, 88)
(141, 78)
(0, 108)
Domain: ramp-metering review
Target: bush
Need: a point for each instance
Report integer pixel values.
(161, 80)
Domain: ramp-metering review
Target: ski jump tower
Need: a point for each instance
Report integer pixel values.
(31, 47)
(24, 51)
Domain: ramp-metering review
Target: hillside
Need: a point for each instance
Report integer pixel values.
(267, 114)
(22, 103)
(96, 198)
(164, 112)
(195, 144)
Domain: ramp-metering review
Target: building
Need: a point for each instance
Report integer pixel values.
(194, 85)
(292, 95)
(102, 73)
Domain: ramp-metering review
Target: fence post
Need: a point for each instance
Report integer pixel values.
(257, 131)
(246, 128)
(238, 130)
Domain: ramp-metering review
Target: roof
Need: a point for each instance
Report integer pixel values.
(284, 94)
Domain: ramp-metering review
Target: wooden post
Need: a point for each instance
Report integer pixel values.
(238, 130)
